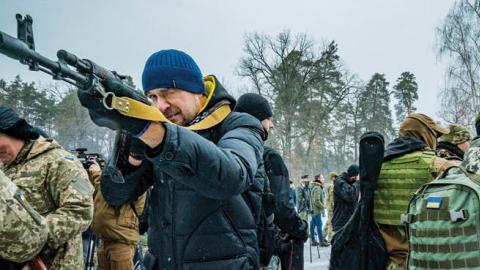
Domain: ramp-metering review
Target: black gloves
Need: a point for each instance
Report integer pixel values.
(302, 232)
(111, 118)
(137, 149)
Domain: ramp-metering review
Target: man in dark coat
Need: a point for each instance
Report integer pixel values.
(198, 217)
(291, 226)
(345, 196)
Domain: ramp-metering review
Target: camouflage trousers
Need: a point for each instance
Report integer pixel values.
(328, 228)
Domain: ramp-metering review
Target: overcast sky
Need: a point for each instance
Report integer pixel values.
(386, 36)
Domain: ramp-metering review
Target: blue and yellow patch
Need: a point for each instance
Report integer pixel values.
(69, 158)
(434, 202)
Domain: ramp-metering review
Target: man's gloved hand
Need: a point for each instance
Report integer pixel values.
(112, 119)
(303, 232)
(137, 151)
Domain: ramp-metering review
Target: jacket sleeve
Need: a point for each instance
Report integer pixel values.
(215, 171)
(329, 198)
(72, 193)
(137, 180)
(94, 178)
(317, 197)
(344, 190)
(285, 214)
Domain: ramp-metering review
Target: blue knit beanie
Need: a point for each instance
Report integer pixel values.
(172, 69)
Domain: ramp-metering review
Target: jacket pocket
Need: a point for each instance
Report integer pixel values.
(216, 230)
(235, 263)
(127, 217)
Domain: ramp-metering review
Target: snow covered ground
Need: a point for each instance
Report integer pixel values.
(317, 263)
(320, 259)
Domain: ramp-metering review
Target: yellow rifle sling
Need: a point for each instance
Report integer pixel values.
(136, 109)
(212, 119)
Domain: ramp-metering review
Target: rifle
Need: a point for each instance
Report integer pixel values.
(37, 264)
(92, 244)
(85, 74)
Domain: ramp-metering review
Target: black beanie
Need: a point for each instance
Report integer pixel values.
(353, 170)
(14, 126)
(255, 105)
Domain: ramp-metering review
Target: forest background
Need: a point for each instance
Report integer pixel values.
(320, 107)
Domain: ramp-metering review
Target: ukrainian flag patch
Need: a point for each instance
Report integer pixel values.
(434, 202)
(69, 158)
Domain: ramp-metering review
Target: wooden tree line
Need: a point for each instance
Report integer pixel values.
(320, 108)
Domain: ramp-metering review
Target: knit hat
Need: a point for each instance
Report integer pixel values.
(353, 170)
(172, 69)
(458, 134)
(255, 105)
(12, 125)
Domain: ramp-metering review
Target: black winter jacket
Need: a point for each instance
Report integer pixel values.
(286, 218)
(345, 196)
(198, 218)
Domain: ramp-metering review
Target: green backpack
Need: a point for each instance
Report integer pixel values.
(443, 223)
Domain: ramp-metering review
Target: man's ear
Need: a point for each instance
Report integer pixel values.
(201, 100)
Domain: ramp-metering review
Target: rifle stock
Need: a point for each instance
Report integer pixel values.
(37, 264)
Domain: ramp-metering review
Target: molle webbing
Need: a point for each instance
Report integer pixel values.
(398, 180)
(446, 248)
(450, 232)
(443, 227)
(473, 263)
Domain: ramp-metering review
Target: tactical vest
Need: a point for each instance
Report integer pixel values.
(398, 180)
(443, 224)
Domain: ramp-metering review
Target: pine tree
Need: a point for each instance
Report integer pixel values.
(405, 92)
(375, 106)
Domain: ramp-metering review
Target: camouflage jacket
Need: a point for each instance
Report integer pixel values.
(329, 199)
(23, 232)
(56, 186)
(471, 164)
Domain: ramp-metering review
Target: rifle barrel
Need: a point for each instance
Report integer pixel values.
(85, 65)
(17, 49)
